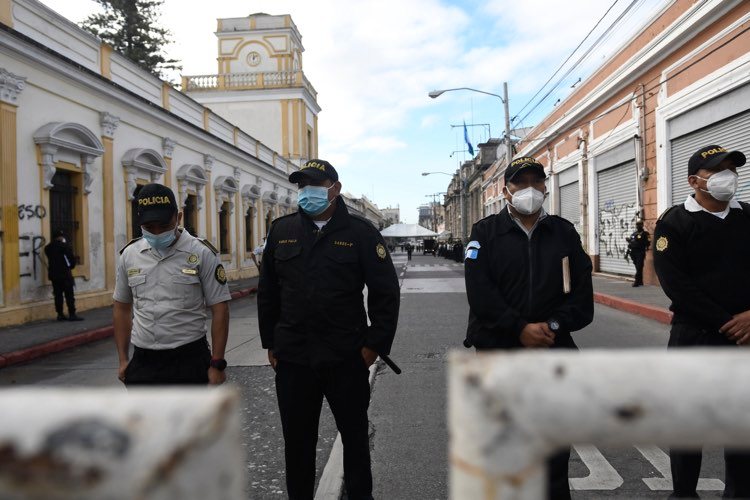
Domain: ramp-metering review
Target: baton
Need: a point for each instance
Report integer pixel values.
(390, 363)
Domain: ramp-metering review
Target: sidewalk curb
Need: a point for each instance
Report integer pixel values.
(78, 339)
(652, 312)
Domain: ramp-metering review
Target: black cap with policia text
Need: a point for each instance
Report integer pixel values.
(524, 162)
(155, 203)
(318, 170)
(709, 157)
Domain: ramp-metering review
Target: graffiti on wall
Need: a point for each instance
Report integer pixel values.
(615, 223)
(31, 212)
(30, 251)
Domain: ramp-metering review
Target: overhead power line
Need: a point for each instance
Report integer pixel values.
(568, 58)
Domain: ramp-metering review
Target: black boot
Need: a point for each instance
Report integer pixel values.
(61, 317)
(74, 317)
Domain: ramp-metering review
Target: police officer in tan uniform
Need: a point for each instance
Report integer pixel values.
(165, 281)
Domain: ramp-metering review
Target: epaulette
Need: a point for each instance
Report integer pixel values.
(666, 212)
(209, 245)
(563, 219)
(129, 243)
(362, 219)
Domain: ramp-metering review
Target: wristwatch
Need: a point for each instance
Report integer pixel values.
(219, 364)
(553, 325)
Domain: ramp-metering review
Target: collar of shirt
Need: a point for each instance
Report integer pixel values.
(692, 205)
(529, 232)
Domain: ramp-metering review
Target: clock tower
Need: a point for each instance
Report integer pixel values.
(260, 85)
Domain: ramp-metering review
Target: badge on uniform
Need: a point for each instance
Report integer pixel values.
(220, 274)
(192, 259)
(472, 250)
(662, 243)
(380, 249)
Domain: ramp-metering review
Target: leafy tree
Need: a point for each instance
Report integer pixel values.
(130, 27)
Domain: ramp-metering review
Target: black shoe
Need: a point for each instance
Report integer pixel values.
(73, 317)
(62, 317)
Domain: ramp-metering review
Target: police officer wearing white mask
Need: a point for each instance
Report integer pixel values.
(701, 259)
(528, 281)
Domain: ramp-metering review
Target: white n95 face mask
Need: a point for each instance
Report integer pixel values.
(528, 201)
(722, 185)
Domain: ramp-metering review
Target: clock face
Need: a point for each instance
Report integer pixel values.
(253, 59)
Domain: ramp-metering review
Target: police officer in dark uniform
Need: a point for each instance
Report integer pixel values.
(60, 262)
(313, 322)
(528, 281)
(701, 259)
(638, 243)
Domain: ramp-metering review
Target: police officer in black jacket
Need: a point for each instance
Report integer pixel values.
(701, 259)
(528, 281)
(60, 262)
(638, 243)
(313, 323)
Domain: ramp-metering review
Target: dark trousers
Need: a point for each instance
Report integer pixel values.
(638, 259)
(184, 365)
(300, 390)
(686, 464)
(60, 288)
(557, 475)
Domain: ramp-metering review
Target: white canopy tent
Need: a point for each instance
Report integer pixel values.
(406, 231)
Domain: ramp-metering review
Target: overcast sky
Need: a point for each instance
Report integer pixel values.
(374, 61)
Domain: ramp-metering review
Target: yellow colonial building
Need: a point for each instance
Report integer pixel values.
(82, 129)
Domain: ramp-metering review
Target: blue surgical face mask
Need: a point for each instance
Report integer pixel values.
(313, 200)
(160, 241)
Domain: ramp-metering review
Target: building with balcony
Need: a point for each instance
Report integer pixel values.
(82, 129)
(260, 84)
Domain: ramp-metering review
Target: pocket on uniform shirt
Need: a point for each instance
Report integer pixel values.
(188, 290)
(137, 286)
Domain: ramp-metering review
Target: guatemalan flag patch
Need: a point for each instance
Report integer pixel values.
(472, 250)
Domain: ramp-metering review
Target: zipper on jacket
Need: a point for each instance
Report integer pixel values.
(531, 279)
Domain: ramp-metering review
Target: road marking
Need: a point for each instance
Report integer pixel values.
(433, 285)
(602, 476)
(660, 460)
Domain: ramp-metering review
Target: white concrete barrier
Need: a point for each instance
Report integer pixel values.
(509, 411)
(112, 444)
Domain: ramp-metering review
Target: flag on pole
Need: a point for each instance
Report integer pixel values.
(468, 142)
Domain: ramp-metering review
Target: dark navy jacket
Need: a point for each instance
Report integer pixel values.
(514, 280)
(310, 303)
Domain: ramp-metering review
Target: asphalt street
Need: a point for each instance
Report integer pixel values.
(95, 365)
(408, 411)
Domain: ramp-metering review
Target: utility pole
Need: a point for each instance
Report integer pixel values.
(508, 145)
(432, 211)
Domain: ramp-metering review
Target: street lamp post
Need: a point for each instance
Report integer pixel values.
(508, 145)
(462, 194)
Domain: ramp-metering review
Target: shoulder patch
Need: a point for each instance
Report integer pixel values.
(220, 274)
(209, 245)
(129, 243)
(473, 244)
(662, 243)
(380, 250)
